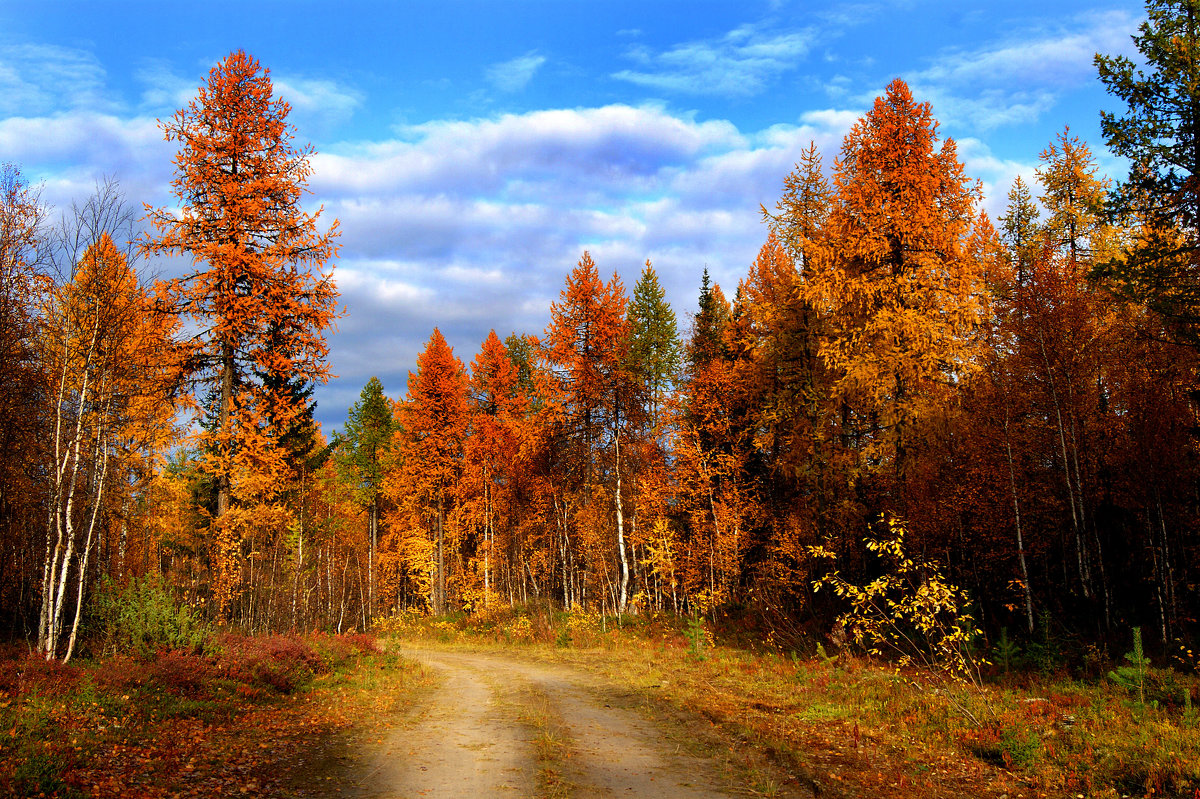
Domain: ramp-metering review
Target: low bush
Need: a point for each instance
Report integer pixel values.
(276, 663)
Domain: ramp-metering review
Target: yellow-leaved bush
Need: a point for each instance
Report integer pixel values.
(910, 612)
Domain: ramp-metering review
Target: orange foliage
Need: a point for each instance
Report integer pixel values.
(432, 428)
(898, 285)
(259, 290)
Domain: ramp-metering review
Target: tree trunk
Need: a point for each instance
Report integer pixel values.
(223, 420)
(440, 601)
(373, 522)
(1084, 579)
(1012, 483)
(87, 547)
(624, 590)
(487, 542)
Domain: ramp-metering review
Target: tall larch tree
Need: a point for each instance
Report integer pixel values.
(786, 363)
(494, 447)
(587, 349)
(433, 422)
(898, 282)
(109, 357)
(23, 285)
(799, 217)
(1073, 195)
(1064, 323)
(710, 456)
(259, 295)
(1019, 228)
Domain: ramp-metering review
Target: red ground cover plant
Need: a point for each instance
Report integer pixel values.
(236, 720)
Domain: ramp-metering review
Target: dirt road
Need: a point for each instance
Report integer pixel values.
(497, 726)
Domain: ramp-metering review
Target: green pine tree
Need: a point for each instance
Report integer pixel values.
(655, 349)
(708, 325)
(361, 459)
(1019, 227)
(1160, 135)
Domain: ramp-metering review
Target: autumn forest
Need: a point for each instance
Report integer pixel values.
(1009, 404)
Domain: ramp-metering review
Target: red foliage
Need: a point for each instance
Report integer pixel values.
(33, 674)
(183, 674)
(281, 663)
(113, 728)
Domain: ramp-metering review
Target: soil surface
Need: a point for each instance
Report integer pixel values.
(497, 726)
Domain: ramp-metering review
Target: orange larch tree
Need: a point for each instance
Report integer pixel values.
(23, 285)
(898, 283)
(494, 447)
(108, 357)
(710, 455)
(433, 426)
(586, 349)
(259, 281)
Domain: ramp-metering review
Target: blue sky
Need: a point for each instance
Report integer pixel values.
(473, 150)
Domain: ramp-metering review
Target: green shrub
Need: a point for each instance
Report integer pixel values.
(142, 617)
(1006, 652)
(39, 773)
(1133, 676)
(1045, 651)
(698, 637)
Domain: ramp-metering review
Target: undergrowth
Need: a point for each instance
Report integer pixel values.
(59, 720)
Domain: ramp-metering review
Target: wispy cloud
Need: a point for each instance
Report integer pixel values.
(742, 62)
(514, 75)
(610, 150)
(316, 104)
(39, 79)
(163, 89)
(1019, 79)
(321, 103)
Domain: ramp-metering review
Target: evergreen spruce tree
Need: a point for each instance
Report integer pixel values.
(362, 449)
(708, 325)
(1160, 135)
(1019, 227)
(655, 345)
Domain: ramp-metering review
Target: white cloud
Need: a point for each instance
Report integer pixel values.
(323, 103)
(44, 79)
(742, 62)
(994, 174)
(1054, 57)
(164, 90)
(72, 150)
(584, 152)
(514, 75)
